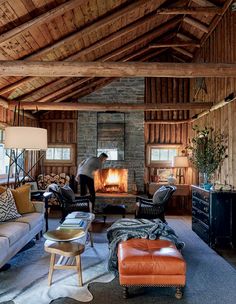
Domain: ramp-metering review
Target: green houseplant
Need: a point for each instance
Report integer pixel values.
(207, 151)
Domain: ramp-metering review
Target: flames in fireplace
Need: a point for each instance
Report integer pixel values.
(111, 180)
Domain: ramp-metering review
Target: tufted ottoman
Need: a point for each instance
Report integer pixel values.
(145, 262)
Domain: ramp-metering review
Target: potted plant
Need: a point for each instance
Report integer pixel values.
(207, 152)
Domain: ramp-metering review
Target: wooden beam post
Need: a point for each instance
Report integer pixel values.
(77, 106)
(173, 44)
(190, 11)
(199, 25)
(116, 69)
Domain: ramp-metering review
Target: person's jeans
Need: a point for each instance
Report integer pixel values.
(87, 182)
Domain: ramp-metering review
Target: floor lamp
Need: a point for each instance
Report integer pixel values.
(19, 140)
(181, 163)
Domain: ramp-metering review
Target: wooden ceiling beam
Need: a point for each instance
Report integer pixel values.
(199, 25)
(205, 3)
(79, 35)
(106, 57)
(173, 44)
(166, 122)
(148, 36)
(77, 106)
(116, 69)
(183, 51)
(184, 37)
(190, 11)
(45, 17)
(64, 90)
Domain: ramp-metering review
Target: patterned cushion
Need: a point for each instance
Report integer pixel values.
(161, 195)
(8, 209)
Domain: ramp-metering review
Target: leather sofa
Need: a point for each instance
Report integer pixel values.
(15, 234)
(144, 262)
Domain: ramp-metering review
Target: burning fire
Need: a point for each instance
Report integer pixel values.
(112, 178)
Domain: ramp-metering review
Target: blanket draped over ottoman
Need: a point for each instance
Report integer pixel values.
(125, 229)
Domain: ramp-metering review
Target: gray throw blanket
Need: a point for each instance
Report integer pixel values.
(125, 229)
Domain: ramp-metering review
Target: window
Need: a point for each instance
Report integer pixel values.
(161, 156)
(112, 153)
(60, 153)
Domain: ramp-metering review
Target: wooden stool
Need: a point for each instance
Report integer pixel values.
(69, 250)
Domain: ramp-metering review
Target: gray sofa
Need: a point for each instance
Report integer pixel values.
(15, 234)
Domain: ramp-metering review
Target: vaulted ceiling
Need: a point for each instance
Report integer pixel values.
(97, 30)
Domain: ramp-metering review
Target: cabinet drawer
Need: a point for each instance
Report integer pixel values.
(203, 206)
(200, 229)
(202, 216)
(201, 194)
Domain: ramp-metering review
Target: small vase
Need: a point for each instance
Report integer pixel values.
(206, 181)
(171, 179)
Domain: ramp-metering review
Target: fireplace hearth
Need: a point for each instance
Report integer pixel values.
(111, 180)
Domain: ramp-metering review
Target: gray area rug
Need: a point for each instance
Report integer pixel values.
(26, 280)
(210, 279)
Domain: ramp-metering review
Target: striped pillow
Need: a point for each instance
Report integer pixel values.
(8, 209)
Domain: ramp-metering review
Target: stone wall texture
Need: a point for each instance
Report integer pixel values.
(126, 90)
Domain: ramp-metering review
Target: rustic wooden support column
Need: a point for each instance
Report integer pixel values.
(76, 106)
(116, 69)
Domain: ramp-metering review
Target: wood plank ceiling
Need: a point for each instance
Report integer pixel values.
(97, 30)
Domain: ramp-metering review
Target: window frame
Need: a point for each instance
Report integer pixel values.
(59, 162)
(160, 163)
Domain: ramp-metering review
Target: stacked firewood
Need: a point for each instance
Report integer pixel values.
(45, 180)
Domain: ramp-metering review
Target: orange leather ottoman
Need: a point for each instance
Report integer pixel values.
(145, 262)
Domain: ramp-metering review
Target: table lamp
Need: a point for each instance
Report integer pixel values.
(181, 163)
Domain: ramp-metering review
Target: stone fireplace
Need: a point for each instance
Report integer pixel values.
(111, 180)
(126, 90)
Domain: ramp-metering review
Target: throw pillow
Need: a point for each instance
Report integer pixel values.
(161, 195)
(8, 209)
(22, 198)
(2, 189)
(68, 193)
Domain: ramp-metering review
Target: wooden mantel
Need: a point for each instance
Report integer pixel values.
(116, 69)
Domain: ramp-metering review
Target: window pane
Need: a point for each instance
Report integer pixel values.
(155, 154)
(58, 153)
(164, 154)
(66, 153)
(49, 153)
(112, 153)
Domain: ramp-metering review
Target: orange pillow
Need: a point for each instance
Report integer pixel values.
(22, 199)
(2, 189)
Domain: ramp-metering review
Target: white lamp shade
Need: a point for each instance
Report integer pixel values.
(25, 138)
(181, 162)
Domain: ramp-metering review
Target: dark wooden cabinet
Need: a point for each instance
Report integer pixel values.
(214, 216)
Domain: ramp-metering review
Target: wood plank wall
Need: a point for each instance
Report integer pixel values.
(62, 129)
(162, 90)
(221, 47)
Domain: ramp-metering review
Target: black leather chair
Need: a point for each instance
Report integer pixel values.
(145, 208)
(81, 203)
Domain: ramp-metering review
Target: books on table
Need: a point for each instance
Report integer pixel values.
(73, 224)
(80, 215)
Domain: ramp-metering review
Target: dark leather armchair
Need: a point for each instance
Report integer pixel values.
(145, 208)
(80, 203)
